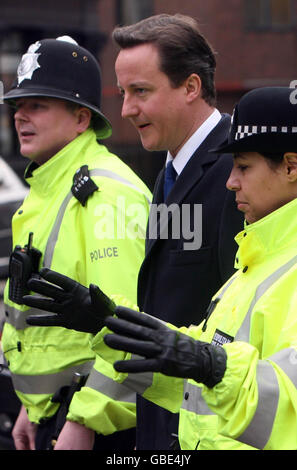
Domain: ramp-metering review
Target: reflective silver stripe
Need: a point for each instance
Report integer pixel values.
(138, 383)
(286, 359)
(49, 383)
(115, 176)
(52, 239)
(114, 390)
(194, 402)
(17, 318)
(243, 333)
(4, 262)
(235, 276)
(214, 302)
(259, 430)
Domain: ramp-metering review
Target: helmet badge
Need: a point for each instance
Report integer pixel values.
(29, 63)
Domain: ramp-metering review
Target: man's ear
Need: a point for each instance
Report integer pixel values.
(193, 86)
(290, 160)
(84, 118)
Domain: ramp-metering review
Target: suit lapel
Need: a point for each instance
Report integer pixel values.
(158, 198)
(188, 178)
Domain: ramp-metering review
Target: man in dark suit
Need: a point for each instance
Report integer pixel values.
(165, 71)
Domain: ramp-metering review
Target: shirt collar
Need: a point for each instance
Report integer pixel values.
(196, 139)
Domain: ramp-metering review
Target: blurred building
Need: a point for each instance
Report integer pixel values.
(255, 40)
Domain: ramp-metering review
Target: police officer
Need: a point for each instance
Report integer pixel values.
(76, 220)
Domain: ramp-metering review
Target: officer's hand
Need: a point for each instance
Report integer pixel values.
(162, 349)
(75, 306)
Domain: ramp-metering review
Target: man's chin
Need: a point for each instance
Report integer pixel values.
(150, 146)
(25, 152)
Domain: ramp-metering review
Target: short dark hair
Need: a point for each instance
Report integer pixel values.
(182, 47)
(274, 160)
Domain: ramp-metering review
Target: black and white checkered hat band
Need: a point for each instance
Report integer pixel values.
(246, 131)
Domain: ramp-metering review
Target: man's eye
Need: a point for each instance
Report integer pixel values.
(37, 105)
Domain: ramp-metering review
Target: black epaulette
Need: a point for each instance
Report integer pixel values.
(83, 186)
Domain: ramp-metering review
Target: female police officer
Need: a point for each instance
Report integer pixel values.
(240, 363)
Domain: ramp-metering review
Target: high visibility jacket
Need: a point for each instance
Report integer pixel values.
(100, 242)
(254, 319)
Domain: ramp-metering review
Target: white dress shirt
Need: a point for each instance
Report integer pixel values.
(192, 144)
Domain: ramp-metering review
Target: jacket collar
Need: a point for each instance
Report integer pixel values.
(45, 177)
(274, 233)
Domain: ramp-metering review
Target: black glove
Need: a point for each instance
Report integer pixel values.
(164, 350)
(76, 307)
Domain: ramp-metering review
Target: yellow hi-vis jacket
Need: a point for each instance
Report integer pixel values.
(255, 321)
(101, 242)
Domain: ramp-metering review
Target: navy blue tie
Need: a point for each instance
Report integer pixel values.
(169, 179)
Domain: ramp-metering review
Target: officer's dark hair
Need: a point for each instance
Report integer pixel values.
(273, 159)
(183, 49)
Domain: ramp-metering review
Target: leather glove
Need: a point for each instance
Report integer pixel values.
(163, 350)
(75, 306)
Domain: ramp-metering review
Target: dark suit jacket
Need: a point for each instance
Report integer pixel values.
(176, 285)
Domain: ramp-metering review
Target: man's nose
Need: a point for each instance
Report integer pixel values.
(20, 115)
(129, 108)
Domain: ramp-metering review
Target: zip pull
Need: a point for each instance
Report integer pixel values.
(214, 302)
(209, 311)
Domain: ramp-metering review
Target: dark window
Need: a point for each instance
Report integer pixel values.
(23, 23)
(269, 14)
(131, 11)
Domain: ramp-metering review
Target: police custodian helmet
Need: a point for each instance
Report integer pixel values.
(264, 120)
(60, 68)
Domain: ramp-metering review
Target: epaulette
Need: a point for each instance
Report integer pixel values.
(83, 186)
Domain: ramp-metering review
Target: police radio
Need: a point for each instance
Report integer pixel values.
(23, 263)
